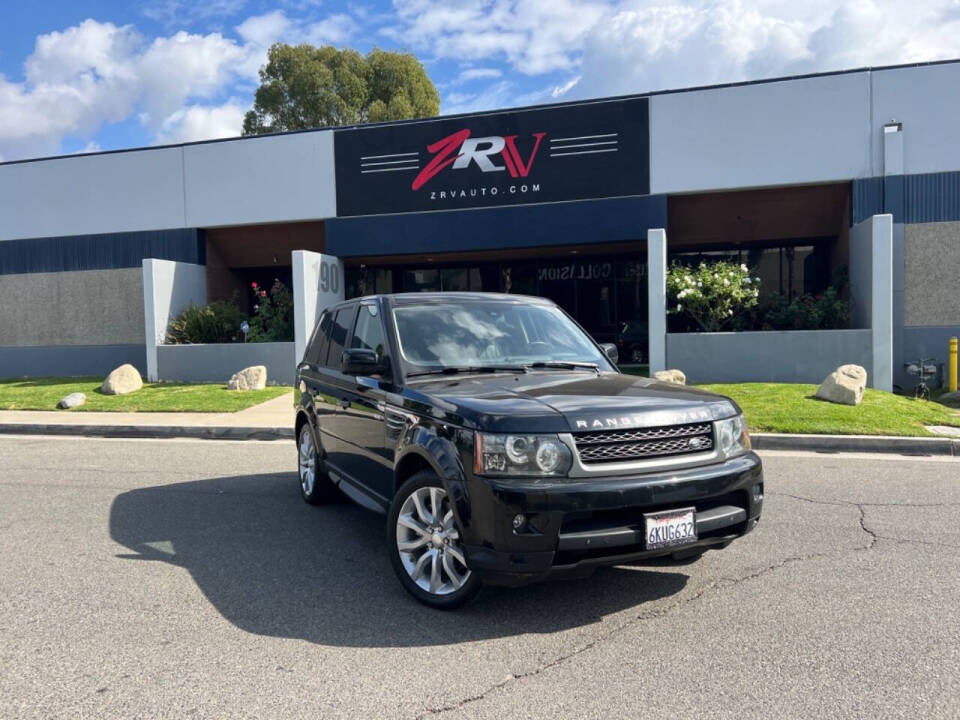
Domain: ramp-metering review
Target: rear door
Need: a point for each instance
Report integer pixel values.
(317, 382)
(334, 387)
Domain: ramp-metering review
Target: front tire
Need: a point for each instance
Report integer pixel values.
(425, 547)
(316, 488)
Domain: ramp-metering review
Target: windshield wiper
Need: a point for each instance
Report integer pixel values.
(564, 365)
(453, 370)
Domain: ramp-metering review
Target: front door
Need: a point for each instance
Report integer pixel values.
(360, 421)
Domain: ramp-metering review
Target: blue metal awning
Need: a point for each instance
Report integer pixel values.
(518, 226)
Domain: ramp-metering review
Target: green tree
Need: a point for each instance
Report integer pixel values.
(303, 87)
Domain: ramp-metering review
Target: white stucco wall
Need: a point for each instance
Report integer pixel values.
(113, 192)
(271, 179)
(236, 182)
(778, 133)
(927, 101)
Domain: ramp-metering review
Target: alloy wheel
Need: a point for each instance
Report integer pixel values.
(429, 543)
(307, 461)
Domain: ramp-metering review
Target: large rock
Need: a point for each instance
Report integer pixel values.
(72, 400)
(671, 376)
(844, 385)
(950, 399)
(125, 379)
(251, 378)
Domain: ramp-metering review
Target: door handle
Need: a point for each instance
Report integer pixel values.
(344, 403)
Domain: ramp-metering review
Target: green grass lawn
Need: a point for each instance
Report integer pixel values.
(787, 408)
(45, 393)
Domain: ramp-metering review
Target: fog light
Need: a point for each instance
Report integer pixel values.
(519, 521)
(758, 493)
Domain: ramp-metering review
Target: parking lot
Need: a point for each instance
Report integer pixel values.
(186, 578)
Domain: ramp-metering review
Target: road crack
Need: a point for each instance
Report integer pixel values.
(718, 584)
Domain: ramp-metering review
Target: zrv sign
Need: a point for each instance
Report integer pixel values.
(573, 152)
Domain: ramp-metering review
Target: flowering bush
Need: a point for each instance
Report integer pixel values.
(712, 294)
(272, 319)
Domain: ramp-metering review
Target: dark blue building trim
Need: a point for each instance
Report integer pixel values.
(568, 223)
(101, 252)
(929, 197)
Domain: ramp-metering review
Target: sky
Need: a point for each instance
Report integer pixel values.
(79, 76)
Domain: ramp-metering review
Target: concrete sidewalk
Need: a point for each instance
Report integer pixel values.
(267, 421)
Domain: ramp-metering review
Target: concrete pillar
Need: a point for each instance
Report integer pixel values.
(169, 287)
(317, 284)
(881, 302)
(657, 298)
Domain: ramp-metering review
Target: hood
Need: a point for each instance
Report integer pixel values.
(571, 401)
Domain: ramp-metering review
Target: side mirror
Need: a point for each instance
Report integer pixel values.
(610, 350)
(360, 361)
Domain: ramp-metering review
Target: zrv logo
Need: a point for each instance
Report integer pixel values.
(479, 150)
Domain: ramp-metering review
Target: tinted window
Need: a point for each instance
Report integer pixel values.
(338, 335)
(490, 333)
(369, 331)
(317, 352)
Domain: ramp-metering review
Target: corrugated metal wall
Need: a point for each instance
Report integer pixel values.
(930, 197)
(101, 252)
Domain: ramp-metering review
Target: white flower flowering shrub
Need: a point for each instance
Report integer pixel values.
(712, 294)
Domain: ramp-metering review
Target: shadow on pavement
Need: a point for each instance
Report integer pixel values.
(273, 565)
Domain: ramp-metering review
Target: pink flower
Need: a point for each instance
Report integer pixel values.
(253, 285)
(263, 293)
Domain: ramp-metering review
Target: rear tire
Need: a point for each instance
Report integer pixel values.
(316, 488)
(425, 546)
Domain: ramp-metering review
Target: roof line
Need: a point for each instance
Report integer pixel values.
(483, 113)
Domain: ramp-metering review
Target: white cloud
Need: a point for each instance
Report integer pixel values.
(471, 74)
(533, 36)
(95, 73)
(608, 47)
(178, 12)
(199, 122)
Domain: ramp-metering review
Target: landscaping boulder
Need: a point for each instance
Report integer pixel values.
(950, 399)
(671, 376)
(251, 378)
(72, 400)
(844, 385)
(125, 379)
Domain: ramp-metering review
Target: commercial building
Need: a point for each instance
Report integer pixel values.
(553, 200)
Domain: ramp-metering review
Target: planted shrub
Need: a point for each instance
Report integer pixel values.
(713, 294)
(823, 311)
(218, 322)
(272, 319)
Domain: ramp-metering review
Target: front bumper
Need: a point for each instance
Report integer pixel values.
(574, 526)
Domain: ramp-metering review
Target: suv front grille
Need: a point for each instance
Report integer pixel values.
(642, 443)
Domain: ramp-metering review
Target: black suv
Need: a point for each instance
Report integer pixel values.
(504, 445)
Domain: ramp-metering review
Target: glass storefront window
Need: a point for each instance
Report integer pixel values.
(606, 294)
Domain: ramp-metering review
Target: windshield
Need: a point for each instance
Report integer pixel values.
(490, 334)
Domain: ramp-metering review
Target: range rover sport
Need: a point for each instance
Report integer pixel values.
(504, 445)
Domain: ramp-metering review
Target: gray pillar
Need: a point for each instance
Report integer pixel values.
(168, 288)
(657, 298)
(317, 284)
(881, 302)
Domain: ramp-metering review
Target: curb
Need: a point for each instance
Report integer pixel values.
(920, 446)
(857, 444)
(151, 431)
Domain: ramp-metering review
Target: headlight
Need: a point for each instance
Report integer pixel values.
(527, 455)
(732, 436)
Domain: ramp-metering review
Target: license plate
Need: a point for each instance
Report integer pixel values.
(670, 528)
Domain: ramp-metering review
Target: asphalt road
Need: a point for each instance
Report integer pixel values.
(173, 579)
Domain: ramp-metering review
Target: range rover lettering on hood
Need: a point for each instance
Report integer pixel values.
(656, 418)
